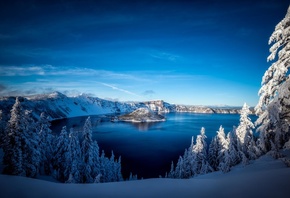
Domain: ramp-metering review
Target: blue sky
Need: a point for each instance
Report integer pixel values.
(184, 52)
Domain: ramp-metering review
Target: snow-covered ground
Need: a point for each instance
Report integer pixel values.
(265, 177)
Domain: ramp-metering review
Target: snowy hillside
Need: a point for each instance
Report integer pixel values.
(58, 105)
(265, 177)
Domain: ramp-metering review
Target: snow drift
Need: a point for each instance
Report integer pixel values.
(265, 177)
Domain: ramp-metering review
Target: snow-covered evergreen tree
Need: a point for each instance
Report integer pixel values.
(74, 158)
(87, 149)
(45, 144)
(188, 159)
(245, 138)
(30, 147)
(171, 173)
(194, 160)
(223, 157)
(179, 171)
(13, 157)
(273, 106)
(111, 168)
(2, 129)
(96, 160)
(21, 152)
(61, 159)
(104, 167)
(233, 152)
(200, 149)
(133, 177)
(118, 170)
(213, 153)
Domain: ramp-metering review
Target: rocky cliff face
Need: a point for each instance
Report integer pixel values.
(58, 105)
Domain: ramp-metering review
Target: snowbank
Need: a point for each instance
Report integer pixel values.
(266, 177)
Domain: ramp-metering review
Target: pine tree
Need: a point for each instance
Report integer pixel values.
(61, 159)
(96, 160)
(74, 158)
(187, 163)
(200, 149)
(45, 144)
(13, 157)
(245, 137)
(273, 106)
(103, 167)
(87, 153)
(233, 152)
(171, 174)
(111, 169)
(118, 170)
(30, 147)
(133, 177)
(2, 129)
(223, 151)
(179, 172)
(213, 153)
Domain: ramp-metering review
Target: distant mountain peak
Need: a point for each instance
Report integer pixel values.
(56, 94)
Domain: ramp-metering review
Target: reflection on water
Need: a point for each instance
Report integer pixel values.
(143, 126)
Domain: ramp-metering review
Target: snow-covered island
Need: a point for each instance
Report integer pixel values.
(142, 115)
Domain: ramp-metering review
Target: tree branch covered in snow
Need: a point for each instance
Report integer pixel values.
(273, 107)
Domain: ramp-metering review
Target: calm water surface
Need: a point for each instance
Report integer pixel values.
(147, 149)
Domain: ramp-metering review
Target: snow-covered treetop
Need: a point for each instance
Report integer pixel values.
(277, 72)
(244, 118)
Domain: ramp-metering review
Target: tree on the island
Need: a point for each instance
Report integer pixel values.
(273, 106)
(13, 157)
(87, 149)
(45, 144)
(61, 159)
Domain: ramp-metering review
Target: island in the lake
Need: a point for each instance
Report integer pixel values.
(142, 115)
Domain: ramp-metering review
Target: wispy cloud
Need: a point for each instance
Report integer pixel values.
(119, 89)
(164, 55)
(49, 70)
(21, 71)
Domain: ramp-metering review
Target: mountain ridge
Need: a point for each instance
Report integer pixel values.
(57, 105)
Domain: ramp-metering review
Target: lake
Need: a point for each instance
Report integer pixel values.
(147, 149)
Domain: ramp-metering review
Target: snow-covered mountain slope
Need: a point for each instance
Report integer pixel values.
(265, 177)
(142, 115)
(58, 105)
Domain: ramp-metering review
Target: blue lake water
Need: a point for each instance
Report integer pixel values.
(147, 149)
